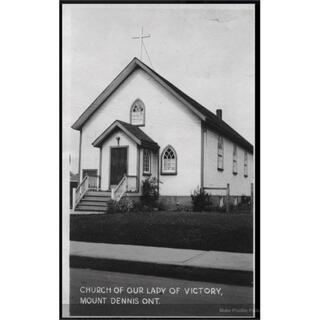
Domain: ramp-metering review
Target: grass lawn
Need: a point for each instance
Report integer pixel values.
(187, 230)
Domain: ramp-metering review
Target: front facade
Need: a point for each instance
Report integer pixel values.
(142, 126)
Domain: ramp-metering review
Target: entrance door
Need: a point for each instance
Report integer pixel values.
(118, 165)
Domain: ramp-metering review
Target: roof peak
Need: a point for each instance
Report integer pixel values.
(203, 113)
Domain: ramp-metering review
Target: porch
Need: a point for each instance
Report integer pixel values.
(89, 197)
(127, 156)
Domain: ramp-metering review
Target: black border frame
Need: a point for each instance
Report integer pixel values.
(256, 144)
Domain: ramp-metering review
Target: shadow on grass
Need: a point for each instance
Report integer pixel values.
(186, 230)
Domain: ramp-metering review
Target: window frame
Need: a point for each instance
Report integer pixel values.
(235, 159)
(138, 102)
(245, 164)
(93, 173)
(169, 173)
(220, 155)
(146, 173)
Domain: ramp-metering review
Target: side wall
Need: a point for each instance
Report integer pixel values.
(168, 121)
(239, 184)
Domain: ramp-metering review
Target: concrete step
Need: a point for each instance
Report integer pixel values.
(81, 207)
(93, 203)
(95, 198)
(98, 193)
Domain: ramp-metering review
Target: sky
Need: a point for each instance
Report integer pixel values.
(206, 50)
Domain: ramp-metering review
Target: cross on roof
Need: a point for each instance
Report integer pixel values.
(141, 37)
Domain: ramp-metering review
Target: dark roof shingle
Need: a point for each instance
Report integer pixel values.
(133, 131)
(139, 134)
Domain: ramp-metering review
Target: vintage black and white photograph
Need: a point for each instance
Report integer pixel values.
(159, 160)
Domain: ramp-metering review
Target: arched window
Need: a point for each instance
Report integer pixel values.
(137, 113)
(169, 161)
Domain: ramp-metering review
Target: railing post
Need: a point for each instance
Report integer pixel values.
(81, 190)
(120, 189)
(228, 198)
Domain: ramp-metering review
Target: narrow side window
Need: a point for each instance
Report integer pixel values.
(235, 164)
(245, 163)
(220, 153)
(146, 162)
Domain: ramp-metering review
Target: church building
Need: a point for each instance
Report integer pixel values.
(143, 126)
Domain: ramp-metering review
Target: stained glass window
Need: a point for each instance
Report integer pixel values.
(169, 160)
(137, 113)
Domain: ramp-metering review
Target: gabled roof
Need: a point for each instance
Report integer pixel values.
(133, 132)
(209, 118)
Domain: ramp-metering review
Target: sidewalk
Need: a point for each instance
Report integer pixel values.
(215, 266)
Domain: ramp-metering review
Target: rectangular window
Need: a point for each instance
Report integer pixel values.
(146, 162)
(92, 177)
(235, 164)
(220, 153)
(245, 164)
(89, 172)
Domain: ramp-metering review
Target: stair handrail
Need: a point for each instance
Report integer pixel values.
(124, 181)
(81, 190)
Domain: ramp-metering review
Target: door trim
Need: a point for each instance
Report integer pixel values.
(117, 147)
